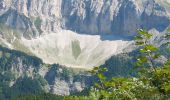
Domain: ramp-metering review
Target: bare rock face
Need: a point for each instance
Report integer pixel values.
(14, 20)
(42, 15)
(121, 17)
(114, 16)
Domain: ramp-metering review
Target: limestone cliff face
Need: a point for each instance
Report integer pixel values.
(91, 16)
(43, 15)
(114, 16)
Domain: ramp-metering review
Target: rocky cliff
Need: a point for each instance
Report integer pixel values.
(121, 17)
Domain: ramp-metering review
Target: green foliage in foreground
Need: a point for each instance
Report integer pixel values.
(153, 82)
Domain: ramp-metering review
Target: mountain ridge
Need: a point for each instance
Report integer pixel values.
(93, 17)
(30, 20)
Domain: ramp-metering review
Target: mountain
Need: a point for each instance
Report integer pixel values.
(75, 32)
(54, 35)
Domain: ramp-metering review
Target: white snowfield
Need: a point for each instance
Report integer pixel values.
(74, 50)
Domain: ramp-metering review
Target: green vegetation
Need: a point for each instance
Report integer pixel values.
(120, 65)
(9, 73)
(9, 33)
(43, 96)
(21, 47)
(19, 77)
(37, 24)
(76, 50)
(152, 83)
